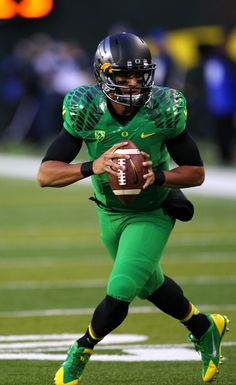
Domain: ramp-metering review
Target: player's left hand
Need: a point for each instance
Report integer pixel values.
(149, 177)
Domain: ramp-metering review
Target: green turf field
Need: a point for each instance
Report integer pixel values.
(53, 271)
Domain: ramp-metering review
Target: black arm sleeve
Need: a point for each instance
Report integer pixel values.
(64, 148)
(183, 150)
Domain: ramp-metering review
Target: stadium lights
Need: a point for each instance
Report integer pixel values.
(25, 8)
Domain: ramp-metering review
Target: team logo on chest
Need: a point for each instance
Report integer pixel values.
(100, 135)
(125, 134)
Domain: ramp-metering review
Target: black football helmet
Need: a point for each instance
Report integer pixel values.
(124, 53)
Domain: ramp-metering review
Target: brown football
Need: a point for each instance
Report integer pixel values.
(129, 183)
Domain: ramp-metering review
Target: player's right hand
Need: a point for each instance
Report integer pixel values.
(105, 162)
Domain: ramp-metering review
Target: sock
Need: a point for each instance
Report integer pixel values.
(197, 323)
(89, 339)
(171, 300)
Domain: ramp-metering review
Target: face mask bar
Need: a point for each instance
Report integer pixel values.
(129, 98)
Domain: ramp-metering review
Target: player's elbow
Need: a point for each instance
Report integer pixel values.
(42, 177)
(199, 176)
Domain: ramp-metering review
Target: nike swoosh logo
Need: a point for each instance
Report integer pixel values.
(214, 352)
(144, 136)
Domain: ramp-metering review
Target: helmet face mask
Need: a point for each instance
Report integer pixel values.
(118, 58)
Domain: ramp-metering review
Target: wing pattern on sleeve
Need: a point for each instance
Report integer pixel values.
(168, 109)
(82, 109)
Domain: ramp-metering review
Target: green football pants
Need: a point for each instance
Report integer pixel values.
(136, 242)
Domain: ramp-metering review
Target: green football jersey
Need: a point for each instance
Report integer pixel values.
(87, 116)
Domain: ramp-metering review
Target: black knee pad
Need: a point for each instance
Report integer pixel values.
(115, 307)
(108, 315)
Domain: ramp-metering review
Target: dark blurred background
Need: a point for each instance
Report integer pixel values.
(47, 48)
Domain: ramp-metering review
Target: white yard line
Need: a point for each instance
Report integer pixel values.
(45, 285)
(133, 348)
(89, 311)
(23, 167)
(97, 283)
(177, 258)
(220, 182)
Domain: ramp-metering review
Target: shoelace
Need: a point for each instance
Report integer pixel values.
(202, 348)
(199, 347)
(79, 361)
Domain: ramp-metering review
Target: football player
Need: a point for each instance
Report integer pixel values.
(124, 105)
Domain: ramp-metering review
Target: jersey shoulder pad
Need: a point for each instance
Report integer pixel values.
(82, 108)
(168, 109)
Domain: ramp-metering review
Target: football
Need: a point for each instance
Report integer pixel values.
(128, 184)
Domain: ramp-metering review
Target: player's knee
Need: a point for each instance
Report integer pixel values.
(116, 307)
(122, 287)
(108, 315)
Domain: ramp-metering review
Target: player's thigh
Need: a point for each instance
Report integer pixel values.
(110, 233)
(140, 248)
(153, 283)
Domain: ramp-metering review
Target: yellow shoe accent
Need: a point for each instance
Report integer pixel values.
(59, 378)
(71, 370)
(220, 322)
(209, 346)
(210, 373)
